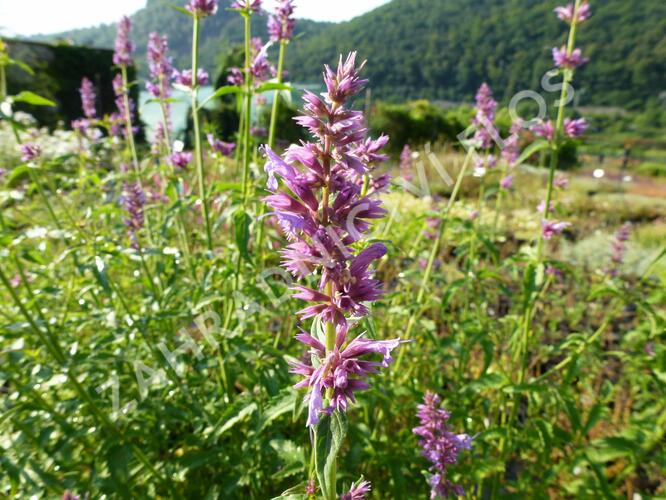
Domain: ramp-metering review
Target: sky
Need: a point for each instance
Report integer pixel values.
(30, 17)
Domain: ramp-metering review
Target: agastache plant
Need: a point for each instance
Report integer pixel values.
(324, 215)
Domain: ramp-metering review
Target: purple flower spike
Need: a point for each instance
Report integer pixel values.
(160, 67)
(345, 82)
(357, 491)
(485, 117)
(88, 98)
(552, 228)
(618, 249)
(29, 151)
(281, 25)
(134, 200)
(440, 446)
(563, 59)
(247, 5)
(575, 128)
(124, 47)
(506, 182)
(202, 8)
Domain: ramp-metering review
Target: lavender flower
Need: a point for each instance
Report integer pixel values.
(261, 69)
(550, 228)
(406, 166)
(88, 97)
(202, 8)
(184, 78)
(357, 491)
(29, 151)
(321, 234)
(281, 25)
(485, 117)
(541, 207)
(311, 488)
(134, 200)
(619, 248)
(566, 13)
(121, 117)
(248, 5)
(439, 446)
(180, 159)
(221, 147)
(575, 128)
(124, 47)
(235, 77)
(563, 59)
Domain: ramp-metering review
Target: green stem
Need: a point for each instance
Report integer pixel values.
(276, 96)
(434, 251)
(198, 153)
(247, 109)
(128, 123)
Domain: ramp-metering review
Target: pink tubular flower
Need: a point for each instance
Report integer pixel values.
(235, 76)
(575, 128)
(248, 5)
(563, 59)
(180, 159)
(184, 78)
(202, 8)
(553, 228)
(440, 446)
(124, 47)
(566, 13)
(406, 166)
(281, 25)
(357, 491)
(29, 151)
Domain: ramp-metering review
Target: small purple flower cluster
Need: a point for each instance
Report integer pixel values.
(119, 118)
(566, 13)
(572, 128)
(563, 59)
(260, 68)
(184, 77)
(247, 5)
(29, 151)
(221, 147)
(619, 248)
(124, 46)
(281, 25)
(202, 8)
(180, 159)
(551, 228)
(511, 151)
(134, 199)
(322, 232)
(439, 446)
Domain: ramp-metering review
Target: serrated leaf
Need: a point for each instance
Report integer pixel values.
(329, 436)
(242, 223)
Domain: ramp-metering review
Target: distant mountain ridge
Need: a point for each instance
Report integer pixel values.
(444, 49)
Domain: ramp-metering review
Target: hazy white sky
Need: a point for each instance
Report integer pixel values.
(29, 17)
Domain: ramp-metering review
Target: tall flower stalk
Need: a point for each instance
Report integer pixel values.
(122, 58)
(199, 9)
(324, 215)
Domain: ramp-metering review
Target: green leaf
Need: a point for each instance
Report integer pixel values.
(535, 147)
(22, 65)
(265, 87)
(181, 10)
(329, 435)
(242, 223)
(226, 90)
(32, 98)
